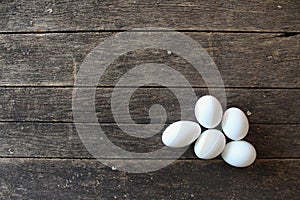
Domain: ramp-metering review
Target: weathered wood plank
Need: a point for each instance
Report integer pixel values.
(244, 60)
(41, 59)
(55, 104)
(45, 160)
(61, 140)
(89, 179)
(67, 15)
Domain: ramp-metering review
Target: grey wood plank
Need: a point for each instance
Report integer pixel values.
(55, 104)
(244, 60)
(43, 59)
(61, 140)
(89, 179)
(64, 15)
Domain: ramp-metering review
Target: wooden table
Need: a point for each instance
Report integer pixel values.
(255, 45)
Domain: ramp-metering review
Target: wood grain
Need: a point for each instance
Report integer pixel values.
(55, 104)
(61, 140)
(64, 15)
(89, 179)
(255, 46)
(244, 60)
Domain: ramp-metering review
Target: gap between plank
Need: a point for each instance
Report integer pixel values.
(284, 33)
(148, 87)
(94, 159)
(112, 123)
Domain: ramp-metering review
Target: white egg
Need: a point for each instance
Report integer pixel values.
(208, 111)
(235, 124)
(239, 153)
(181, 133)
(210, 144)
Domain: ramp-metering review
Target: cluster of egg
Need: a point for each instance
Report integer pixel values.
(212, 142)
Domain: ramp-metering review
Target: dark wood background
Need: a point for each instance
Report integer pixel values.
(255, 45)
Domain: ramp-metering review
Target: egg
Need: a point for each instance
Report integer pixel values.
(239, 153)
(235, 124)
(208, 111)
(181, 134)
(210, 144)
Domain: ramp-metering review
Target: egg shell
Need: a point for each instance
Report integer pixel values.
(210, 144)
(239, 153)
(208, 111)
(181, 134)
(235, 124)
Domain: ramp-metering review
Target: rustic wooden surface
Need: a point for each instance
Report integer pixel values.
(184, 179)
(65, 15)
(255, 45)
(244, 59)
